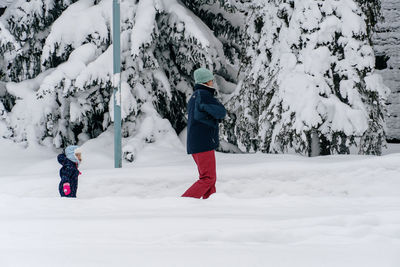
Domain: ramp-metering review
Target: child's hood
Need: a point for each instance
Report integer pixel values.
(61, 159)
(69, 154)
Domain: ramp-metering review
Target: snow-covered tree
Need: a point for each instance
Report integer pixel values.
(329, 96)
(264, 21)
(295, 74)
(317, 91)
(163, 42)
(4, 109)
(28, 22)
(372, 14)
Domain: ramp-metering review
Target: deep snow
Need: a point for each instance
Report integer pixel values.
(270, 210)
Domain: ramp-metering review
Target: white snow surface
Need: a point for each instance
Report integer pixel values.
(269, 210)
(5, 3)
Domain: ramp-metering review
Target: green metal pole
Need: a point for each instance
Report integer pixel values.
(117, 83)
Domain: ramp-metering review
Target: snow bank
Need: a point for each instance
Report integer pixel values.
(279, 210)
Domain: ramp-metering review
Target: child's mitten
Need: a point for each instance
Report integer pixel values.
(66, 189)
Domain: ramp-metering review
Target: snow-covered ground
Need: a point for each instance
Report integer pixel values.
(270, 210)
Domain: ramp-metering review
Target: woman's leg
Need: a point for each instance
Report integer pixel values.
(205, 186)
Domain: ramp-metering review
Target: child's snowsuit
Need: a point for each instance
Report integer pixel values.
(69, 174)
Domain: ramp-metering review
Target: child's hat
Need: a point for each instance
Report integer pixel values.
(70, 153)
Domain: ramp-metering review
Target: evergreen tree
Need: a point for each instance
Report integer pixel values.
(163, 42)
(247, 125)
(372, 14)
(320, 94)
(28, 23)
(226, 19)
(295, 74)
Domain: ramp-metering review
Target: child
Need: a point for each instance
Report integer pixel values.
(69, 171)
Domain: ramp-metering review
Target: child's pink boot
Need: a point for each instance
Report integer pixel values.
(66, 189)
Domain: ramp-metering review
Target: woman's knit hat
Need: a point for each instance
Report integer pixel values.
(203, 75)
